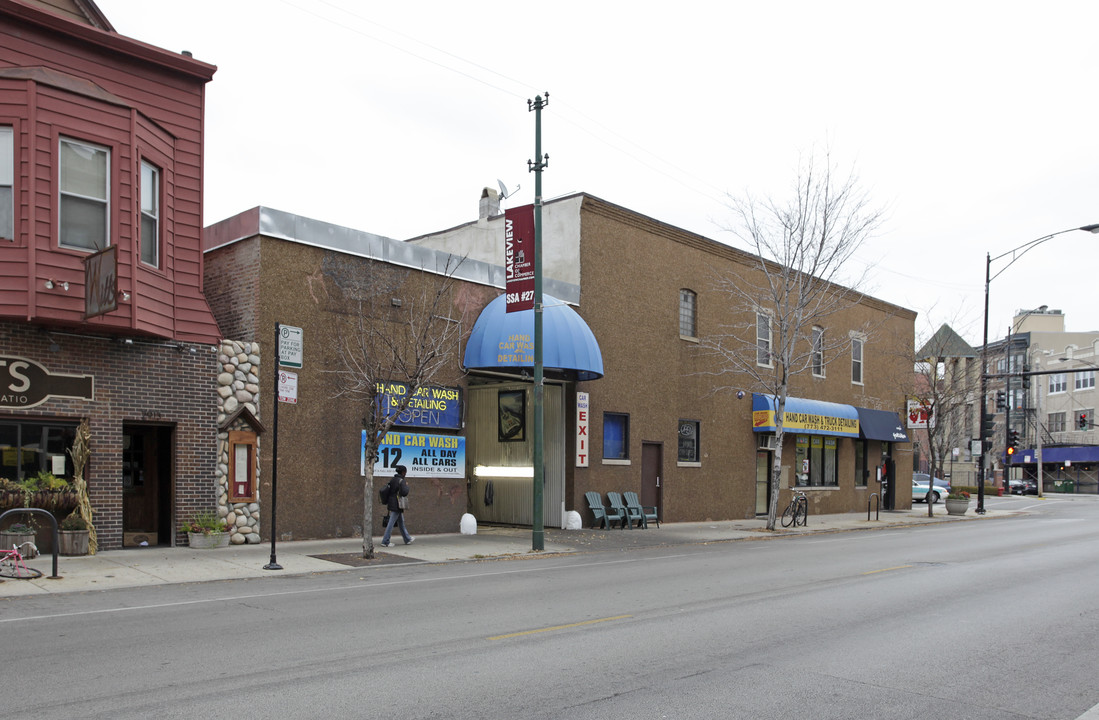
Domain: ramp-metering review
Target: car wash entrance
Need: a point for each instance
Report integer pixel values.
(500, 411)
(500, 451)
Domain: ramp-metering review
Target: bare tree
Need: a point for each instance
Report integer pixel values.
(412, 342)
(944, 385)
(801, 244)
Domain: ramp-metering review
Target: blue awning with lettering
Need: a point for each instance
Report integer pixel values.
(1073, 453)
(810, 417)
(505, 341)
(881, 425)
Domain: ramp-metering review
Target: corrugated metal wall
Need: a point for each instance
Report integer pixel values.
(512, 499)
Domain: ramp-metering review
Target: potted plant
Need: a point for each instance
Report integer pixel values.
(17, 534)
(73, 535)
(206, 530)
(957, 502)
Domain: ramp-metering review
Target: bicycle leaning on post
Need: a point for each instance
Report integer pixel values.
(13, 565)
(797, 512)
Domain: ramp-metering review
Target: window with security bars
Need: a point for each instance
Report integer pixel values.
(688, 313)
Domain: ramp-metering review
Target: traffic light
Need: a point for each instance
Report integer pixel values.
(1026, 376)
(1012, 442)
(1001, 401)
(988, 426)
(1082, 421)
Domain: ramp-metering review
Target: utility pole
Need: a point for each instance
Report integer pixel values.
(538, 530)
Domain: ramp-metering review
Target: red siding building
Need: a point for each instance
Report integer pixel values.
(102, 313)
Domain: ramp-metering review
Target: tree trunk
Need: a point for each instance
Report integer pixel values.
(368, 508)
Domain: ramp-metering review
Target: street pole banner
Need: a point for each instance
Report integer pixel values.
(519, 258)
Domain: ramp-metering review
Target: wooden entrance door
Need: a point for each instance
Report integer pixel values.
(147, 481)
(652, 476)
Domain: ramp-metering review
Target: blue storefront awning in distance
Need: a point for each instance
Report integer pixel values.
(810, 417)
(881, 425)
(1071, 453)
(505, 341)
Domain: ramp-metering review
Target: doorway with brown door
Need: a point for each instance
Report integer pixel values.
(147, 485)
(652, 476)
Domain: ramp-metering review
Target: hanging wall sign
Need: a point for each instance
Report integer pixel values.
(582, 424)
(24, 384)
(440, 456)
(430, 407)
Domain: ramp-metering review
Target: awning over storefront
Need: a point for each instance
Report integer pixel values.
(1076, 454)
(811, 417)
(505, 341)
(881, 425)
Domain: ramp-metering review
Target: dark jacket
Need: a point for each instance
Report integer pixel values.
(397, 487)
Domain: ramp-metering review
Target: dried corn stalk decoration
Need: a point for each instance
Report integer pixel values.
(80, 451)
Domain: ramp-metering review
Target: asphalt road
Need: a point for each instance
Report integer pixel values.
(992, 619)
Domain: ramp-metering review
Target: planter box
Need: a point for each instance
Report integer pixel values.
(8, 539)
(956, 507)
(72, 542)
(201, 541)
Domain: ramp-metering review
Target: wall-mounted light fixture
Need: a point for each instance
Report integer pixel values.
(50, 285)
(125, 296)
(125, 341)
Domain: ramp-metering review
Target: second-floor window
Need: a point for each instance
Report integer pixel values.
(856, 360)
(818, 352)
(763, 339)
(150, 214)
(1057, 384)
(1085, 379)
(1056, 422)
(7, 184)
(84, 201)
(688, 313)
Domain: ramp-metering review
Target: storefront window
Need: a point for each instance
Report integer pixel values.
(860, 463)
(27, 449)
(815, 458)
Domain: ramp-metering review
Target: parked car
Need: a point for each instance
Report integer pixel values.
(919, 491)
(926, 480)
(1023, 487)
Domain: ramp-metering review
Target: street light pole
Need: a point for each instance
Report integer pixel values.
(1015, 254)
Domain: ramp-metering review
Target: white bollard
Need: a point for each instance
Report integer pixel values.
(468, 525)
(573, 521)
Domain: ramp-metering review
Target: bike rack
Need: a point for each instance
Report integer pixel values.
(53, 522)
(875, 501)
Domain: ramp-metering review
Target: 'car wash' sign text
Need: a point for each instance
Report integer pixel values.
(431, 406)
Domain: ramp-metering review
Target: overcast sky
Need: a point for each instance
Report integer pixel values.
(975, 124)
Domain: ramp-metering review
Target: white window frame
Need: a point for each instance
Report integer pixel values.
(817, 351)
(7, 181)
(1057, 384)
(147, 213)
(858, 347)
(105, 201)
(764, 342)
(1084, 380)
(1055, 422)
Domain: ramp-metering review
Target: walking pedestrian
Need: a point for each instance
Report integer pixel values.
(398, 491)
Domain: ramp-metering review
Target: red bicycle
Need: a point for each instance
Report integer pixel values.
(13, 565)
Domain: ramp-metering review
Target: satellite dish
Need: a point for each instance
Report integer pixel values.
(504, 194)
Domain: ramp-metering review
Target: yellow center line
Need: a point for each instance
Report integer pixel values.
(558, 627)
(899, 567)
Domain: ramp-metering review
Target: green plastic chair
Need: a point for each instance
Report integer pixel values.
(636, 509)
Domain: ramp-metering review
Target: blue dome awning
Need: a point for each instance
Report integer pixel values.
(505, 341)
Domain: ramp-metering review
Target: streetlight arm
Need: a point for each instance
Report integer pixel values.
(1023, 249)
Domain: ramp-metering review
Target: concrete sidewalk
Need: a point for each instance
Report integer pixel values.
(136, 567)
